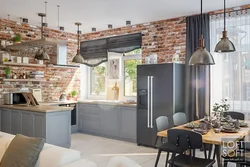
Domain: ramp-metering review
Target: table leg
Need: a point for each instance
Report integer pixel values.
(218, 155)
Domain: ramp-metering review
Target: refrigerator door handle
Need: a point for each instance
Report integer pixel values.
(151, 101)
(148, 125)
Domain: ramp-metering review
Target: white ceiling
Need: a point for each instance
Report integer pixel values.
(100, 13)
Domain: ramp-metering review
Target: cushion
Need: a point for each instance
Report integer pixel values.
(54, 156)
(4, 143)
(121, 162)
(22, 152)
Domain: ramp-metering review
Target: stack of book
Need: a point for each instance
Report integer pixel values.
(37, 75)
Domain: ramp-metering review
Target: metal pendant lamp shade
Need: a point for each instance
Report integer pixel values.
(224, 45)
(78, 58)
(201, 56)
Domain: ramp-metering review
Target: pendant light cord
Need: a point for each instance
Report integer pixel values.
(58, 12)
(201, 18)
(224, 15)
(78, 38)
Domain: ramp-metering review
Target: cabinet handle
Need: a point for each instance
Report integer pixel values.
(151, 101)
(148, 99)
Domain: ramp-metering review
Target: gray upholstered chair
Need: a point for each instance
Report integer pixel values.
(179, 118)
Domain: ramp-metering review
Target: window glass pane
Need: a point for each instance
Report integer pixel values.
(98, 78)
(130, 77)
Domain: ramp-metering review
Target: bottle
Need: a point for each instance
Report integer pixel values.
(175, 58)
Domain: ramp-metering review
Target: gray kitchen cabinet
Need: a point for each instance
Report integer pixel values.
(5, 121)
(113, 121)
(54, 127)
(109, 120)
(16, 122)
(127, 120)
(27, 124)
(89, 118)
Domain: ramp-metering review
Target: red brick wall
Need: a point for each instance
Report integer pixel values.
(58, 79)
(162, 37)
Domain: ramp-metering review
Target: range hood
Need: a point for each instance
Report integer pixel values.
(60, 59)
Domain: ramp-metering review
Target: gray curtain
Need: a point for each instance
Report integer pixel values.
(197, 77)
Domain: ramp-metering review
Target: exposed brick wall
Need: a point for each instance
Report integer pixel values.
(58, 79)
(162, 37)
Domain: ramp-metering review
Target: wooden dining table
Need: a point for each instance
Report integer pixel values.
(215, 139)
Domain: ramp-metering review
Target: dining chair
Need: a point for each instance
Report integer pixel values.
(235, 115)
(239, 116)
(187, 140)
(179, 118)
(161, 125)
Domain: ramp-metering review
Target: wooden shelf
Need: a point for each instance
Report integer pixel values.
(22, 80)
(23, 64)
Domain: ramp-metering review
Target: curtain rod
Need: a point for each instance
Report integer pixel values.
(238, 10)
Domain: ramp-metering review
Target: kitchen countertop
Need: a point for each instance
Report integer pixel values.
(38, 108)
(56, 103)
(107, 102)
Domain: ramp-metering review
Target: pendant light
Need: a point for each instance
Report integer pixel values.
(42, 53)
(78, 58)
(201, 56)
(224, 45)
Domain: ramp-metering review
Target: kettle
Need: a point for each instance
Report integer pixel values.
(62, 97)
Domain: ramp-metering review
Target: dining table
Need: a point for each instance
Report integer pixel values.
(215, 139)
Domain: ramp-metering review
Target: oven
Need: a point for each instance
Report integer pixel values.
(73, 112)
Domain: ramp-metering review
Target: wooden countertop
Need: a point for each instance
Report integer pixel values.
(38, 108)
(214, 138)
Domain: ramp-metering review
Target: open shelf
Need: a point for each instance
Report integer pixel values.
(22, 80)
(23, 64)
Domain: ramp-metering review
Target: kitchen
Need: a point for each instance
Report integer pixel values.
(55, 84)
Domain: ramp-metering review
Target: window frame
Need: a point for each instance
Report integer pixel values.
(89, 78)
(128, 57)
(122, 77)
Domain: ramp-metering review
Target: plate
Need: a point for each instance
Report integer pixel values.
(201, 131)
(192, 125)
(243, 124)
(230, 130)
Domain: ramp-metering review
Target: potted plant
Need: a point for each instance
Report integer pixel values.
(220, 108)
(7, 71)
(17, 38)
(72, 95)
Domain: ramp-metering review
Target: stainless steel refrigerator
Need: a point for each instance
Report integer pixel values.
(160, 92)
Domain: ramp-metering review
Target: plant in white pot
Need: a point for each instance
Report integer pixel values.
(7, 71)
(220, 108)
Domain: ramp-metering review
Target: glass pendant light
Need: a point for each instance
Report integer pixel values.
(224, 45)
(201, 56)
(78, 58)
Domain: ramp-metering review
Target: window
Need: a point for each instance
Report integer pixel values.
(98, 80)
(130, 76)
(230, 74)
